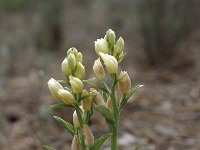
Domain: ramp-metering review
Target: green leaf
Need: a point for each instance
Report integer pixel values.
(66, 125)
(49, 148)
(102, 86)
(90, 82)
(121, 58)
(57, 106)
(106, 113)
(133, 90)
(61, 81)
(100, 141)
(128, 95)
(136, 147)
(113, 79)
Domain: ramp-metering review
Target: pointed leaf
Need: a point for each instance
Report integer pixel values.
(128, 95)
(133, 90)
(49, 148)
(136, 147)
(100, 141)
(102, 86)
(61, 81)
(66, 125)
(57, 106)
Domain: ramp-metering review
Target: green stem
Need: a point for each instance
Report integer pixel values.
(80, 118)
(116, 115)
(114, 138)
(81, 139)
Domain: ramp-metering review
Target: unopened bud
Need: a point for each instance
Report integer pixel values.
(71, 61)
(66, 96)
(80, 71)
(124, 82)
(109, 104)
(121, 57)
(98, 69)
(75, 120)
(79, 57)
(54, 86)
(75, 145)
(98, 99)
(110, 63)
(119, 47)
(76, 84)
(86, 103)
(101, 46)
(65, 67)
(88, 136)
(72, 50)
(110, 36)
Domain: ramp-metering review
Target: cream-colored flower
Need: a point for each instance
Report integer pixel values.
(88, 136)
(76, 84)
(66, 96)
(98, 70)
(72, 50)
(110, 63)
(101, 46)
(110, 37)
(119, 47)
(65, 67)
(75, 145)
(124, 82)
(79, 57)
(54, 86)
(98, 99)
(80, 71)
(75, 120)
(86, 103)
(71, 61)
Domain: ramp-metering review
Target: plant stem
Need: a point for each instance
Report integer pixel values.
(114, 138)
(116, 116)
(81, 139)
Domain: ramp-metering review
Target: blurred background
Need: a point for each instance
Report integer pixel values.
(162, 40)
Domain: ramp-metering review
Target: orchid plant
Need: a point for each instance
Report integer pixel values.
(101, 96)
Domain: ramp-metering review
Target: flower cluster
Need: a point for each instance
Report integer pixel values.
(101, 95)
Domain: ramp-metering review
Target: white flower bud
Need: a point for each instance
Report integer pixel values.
(80, 71)
(75, 145)
(54, 86)
(72, 50)
(110, 36)
(79, 57)
(119, 47)
(98, 99)
(101, 46)
(98, 70)
(65, 67)
(76, 84)
(66, 96)
(86, 103)
(121, 57)
(124, 82)
(71, 61)
(75, 120)
(88, 136)
(110, 63)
